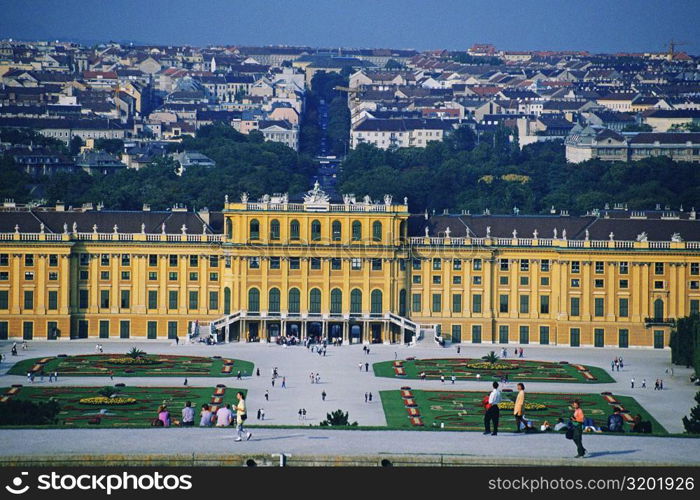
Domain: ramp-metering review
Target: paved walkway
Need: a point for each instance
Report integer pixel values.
(345, 385)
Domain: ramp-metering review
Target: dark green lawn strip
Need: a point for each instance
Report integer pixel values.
(535, 371)
(97, 366)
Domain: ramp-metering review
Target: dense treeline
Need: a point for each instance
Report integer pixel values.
(323, 88)
(462, 173)
(243, 163)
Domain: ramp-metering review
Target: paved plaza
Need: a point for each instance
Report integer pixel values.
(345, 385)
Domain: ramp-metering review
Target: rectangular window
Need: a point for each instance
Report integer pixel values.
(599, 267)
(544, 265)
(152, 276)
(457, 265)
(524, 281)
(153, 299)
(544, 281)
(356, 264)
(599, 337)
(53, 276)
(4, 259)
(476, 303)
(476, 264)
(29, 260)
(476, 280)
(194, 300)
(457, 302)
(104, 275)
(214, 261)
(575, 267)
(28, 299)
(4, 330)
(215, 276)
(194, 260)
(84, 259)
(316, 263)
(53, 300)
(416, 303)
(524, 304)
(28, 330)
(624, 284)
(82, 275)
(124, 329)
(456, 333)
(416, 278)
(575, 337)
(503, 334)
(599, 307)
(4, 299)
(152, 260)
(126, 259)
(152, 330)
(172, 299)
(172, 275)
(274, 264)
(599, 283)
(694, 268)
(83, 299)
(194, 276)
(695, 306)
(503, 303)
(254, 263)
(172, 329)
(624, 307)
(575, 283)
(623, 337)
(503, 280)
(104, 298)
(658, 267)
(126, 275)
(524, 334)
(125, 299)
(437, 264)
(658, 285)
(376, 264)
(456, 280)
(213, 300)
(544, 335)
(416, 264)
(544, 304)
(524, 265)
(575, 306)
(104, 259)
(476, 334)
(172, 260)
(695, 285)
(4, 276)
(504, 264)
(104, 329)
(294, 263)
(624, 268)
(437, 280)
(437, 302)
(53, 260)
(336, 264)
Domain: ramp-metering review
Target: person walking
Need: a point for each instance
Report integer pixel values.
(241, 417)
(519, 406)
(55, 376)
(453, 378)
(257, 372)
(273, 381)
(299, 413)
(492, 411)
(366, 396)
(577, 422)
(323, 395)
(644, 383)
(303, 413)
(185, 383)
(50, 377)
(632, 382)
(267, 395)
(177, 340)
(442, 378)
(284, 382)
(366, 367)
(370, 397)
(262, 413)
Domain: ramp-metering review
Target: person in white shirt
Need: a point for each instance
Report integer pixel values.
(224, 416)
(492, 411)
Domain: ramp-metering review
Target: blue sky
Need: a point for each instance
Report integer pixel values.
(594, 25)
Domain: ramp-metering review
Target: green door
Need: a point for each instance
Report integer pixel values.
(624, 338)
(524, 334)
(599, 337)
(82, 329)
(51, 330)
(152, 330)
(544, 335)
(28, 330)
(476, 334)
(124, 330)
(104, 329)
(658, 339)
(503, 334)
(575, 337)
(456, 333)
(4, 330)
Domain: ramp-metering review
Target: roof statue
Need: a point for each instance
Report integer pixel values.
(183, 229)
(285, 198)
(16, 228)
(534, 234)
(367, 200)
(676, 237)
(347, 199)
(65, 228)
(226, 199)
(266, 198)
(162, 228)
(387, 199)
(405, 200)
(611, 236)
(204, 229)
(316, 196)
(447, 232)
(427, 231)
(116, 229)
(94, 228)
(41, 228)
(642, 236)
(143, 228)
(515, 234)
(75, 227)
(555, 233)
(587, 235)
(563, 234)
(244, 197)
(488, 231)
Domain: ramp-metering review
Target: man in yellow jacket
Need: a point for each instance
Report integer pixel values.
(519, 406)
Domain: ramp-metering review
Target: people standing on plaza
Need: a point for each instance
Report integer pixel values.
(50, 377)
(55, 376)
(241, 417)
(622, 365)
(273, 381)
(187, 415)
(262, 413)
(299, 413)
(185, 382)
(303, 413)
(644, 383)
(656, 384)
(612, 366)
(492, 411)
(661, 384)
(366, 396)
(257, 372)
(370, 397)
(284, 382)
(519, 406)
(453, 379)
(632, 382)
(41, 375)
(359, 365)
(177, 340)
(29, 377)
(205, 416)
(238, 375)
(366, 367)
(267, 395)
(318, 378)
(442, 378)
(577, 422)
(521, 352)
(258, 416)
(459, 348)
(323, 395)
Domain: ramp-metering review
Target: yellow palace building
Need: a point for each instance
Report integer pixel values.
(360, 270)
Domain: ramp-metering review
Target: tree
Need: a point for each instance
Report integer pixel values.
(692, 423)
(685, 342)
(491, 357)
(638, 127)
(75, 144)
(337, 419)
(111, 146)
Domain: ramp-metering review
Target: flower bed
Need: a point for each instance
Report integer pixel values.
(102, 400)
(509, 405)
(491, 366)
(133, 361)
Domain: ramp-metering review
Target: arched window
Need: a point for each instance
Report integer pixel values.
(253, 300)
(402, 303)
(229, 229)
(315, 231)
(377, 231)
(294, 230)
(254, 229)
(294, 300)
(658, 309)
(356, 230)
(336, 301)
(356, 301)
(275, 229)
(274, 300)
(337, 230)
(315, 301)
(376, 302)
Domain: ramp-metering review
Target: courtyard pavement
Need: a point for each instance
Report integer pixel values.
(345, 384)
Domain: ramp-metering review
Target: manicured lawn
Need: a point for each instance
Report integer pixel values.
(463, 410)
(140, 413)
(520, 370)
(95, 365)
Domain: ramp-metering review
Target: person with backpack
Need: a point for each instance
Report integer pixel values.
(241, 416)
(577, 427)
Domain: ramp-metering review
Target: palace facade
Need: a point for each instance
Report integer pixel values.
(357, 269)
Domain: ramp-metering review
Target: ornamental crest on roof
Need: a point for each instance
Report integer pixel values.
(316, 197)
